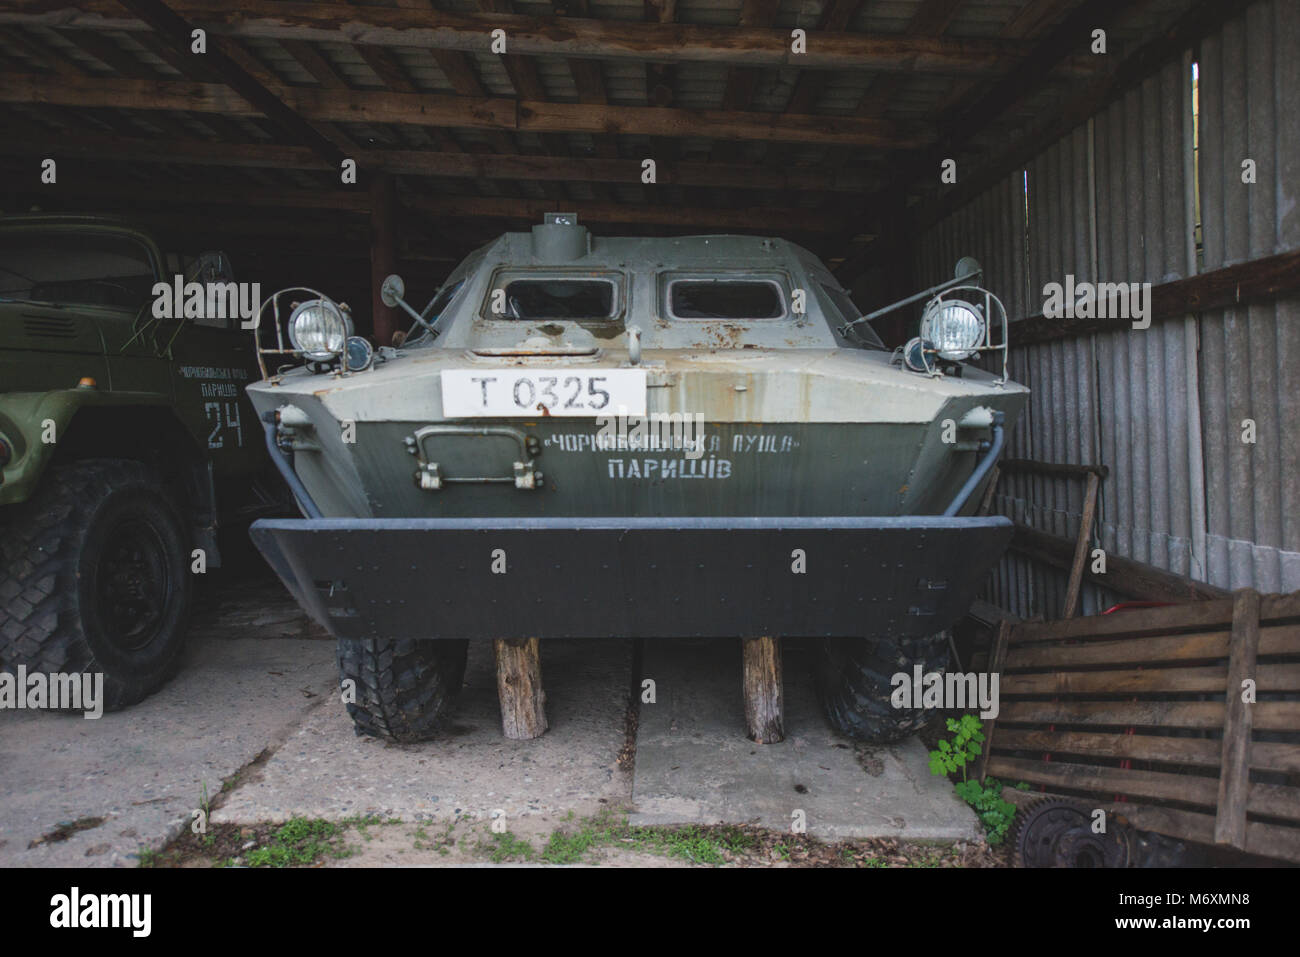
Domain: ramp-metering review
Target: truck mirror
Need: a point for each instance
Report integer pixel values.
(210, 266)
(392, 290)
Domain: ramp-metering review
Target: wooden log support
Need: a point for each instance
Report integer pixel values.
(761, 685)
(519, 687)
(1234, 779)
(997, 658)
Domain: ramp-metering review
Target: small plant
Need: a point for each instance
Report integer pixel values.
(299, 842)
(505, 846)
(994, 812)
(953, 756)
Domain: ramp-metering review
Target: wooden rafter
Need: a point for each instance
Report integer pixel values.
(611, 39)
(99, 190)
(27, 140)
(166, 22)
(469, 112)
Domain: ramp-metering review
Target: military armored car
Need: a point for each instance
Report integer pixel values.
(588, 436)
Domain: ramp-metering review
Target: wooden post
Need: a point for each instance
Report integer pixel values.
(1234, 775)
(997, 657)
(519, 687)
(383, 257)
(1081, 546)
(761, 685)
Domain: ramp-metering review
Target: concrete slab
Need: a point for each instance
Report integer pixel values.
(324, 770)
(143, 770)
(695, 765)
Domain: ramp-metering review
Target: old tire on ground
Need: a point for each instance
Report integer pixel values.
(403, 687)
(94, 577)
(853, 676)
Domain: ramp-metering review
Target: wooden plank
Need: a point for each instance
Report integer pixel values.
(1161, 785)
(1199, 752)
(1234, 778)
(519, 687)
(1063, 469)
(440, 110)
(1124, 575)
(333, 22)
(1265, 279)
(1269, 715)
(1263, 799)
(761, 685)
(1276, 640)
(1130, 622)
(1081, 546)
(1204, 679)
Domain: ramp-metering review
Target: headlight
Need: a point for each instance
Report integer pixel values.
(956, 328)
(318, 329)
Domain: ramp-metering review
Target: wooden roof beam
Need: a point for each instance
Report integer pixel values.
(311, 104)
(121, 193)
(165, 21)
(658, 42)
(28, 140)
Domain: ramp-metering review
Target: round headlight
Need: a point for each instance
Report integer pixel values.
(318, 329)
(956, 328)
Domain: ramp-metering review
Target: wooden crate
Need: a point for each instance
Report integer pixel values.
(1142, 712)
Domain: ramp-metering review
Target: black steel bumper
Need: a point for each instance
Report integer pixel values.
(648, 578)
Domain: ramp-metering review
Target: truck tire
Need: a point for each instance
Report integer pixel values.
(94, 578)
(403, 687)
(853, 676)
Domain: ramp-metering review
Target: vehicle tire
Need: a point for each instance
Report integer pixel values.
(853, 676)
(94, 577)
(404, 687)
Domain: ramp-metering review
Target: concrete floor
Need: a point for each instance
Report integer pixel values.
(261, 681)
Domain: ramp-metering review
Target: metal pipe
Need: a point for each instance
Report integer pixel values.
(981, 470)
(300, 493)
(1192, 346)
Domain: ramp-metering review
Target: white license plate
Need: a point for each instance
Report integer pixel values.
(513, 392)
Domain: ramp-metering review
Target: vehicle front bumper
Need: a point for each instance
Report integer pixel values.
(636, 578)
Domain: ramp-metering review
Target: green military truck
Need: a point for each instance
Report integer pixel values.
(125, 437)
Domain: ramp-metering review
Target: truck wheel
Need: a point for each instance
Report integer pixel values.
(403, 687)
(853, 675)
(94, 578)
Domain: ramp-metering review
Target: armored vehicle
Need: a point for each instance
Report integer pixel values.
(646, 437)
(123, 437)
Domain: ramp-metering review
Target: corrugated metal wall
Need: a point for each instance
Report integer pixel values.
(1250, 84)
(1162, 407)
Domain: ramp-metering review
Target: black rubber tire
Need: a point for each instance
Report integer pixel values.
(853, 676)
(404, 687)
(90, 521)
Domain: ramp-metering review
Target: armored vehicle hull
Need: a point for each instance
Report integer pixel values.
(651, 462)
